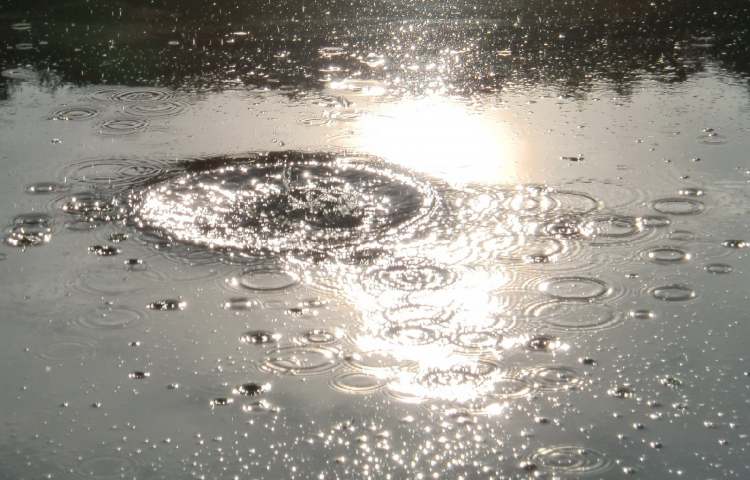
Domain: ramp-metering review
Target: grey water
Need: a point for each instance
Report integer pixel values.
(386, 240)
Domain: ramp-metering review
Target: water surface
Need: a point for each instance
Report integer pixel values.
(374, 240)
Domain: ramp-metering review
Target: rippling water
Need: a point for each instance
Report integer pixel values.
(415, 240)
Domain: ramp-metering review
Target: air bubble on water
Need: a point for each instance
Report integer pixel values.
(641, 314)
(670, 381)
(541, 343)
(133, 263)
(735, 243)
(621, 392)
(251, 389)
(221, 402)
(118, 237)
(139, 375)
(259, 337)
(104, 250)
(238, 303)
(43, 188)
(168, 304)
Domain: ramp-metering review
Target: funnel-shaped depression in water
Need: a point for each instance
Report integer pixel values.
(286, 201)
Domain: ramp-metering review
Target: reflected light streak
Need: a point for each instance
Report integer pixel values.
(441, 136)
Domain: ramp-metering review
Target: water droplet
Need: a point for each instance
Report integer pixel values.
(139, 375)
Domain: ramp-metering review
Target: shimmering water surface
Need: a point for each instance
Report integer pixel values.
(374, 239)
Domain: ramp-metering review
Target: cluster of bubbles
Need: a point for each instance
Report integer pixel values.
(29, 230)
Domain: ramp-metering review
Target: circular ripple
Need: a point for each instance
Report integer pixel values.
(551, 378)
(676, 292)
(115, 173)
(357, 382)
(410, 275)
(404, 335)
(319, 336)
(667, 255)
(264, 280)
(286, 202)
(678, 206)
(301, 360)
(575, 316)
(133, 96)
(719, 268)
(604, 230)
(122, 126)
(378, 362)
(411, 314)
(478, 341)
(459, 382)
(106, 467)
(67, 349)
(116, 280)
(109, 317)
(571, 460)
(574, 288)
(155, 109)
(76, 113)
(578, 203)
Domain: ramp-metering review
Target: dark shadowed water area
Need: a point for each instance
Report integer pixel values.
(374, 239)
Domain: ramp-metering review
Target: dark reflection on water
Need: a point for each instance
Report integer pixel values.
(414, 47)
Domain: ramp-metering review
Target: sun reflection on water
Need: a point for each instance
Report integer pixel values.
(442, 136)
